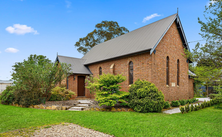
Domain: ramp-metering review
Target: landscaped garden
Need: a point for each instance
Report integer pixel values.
(205, 122)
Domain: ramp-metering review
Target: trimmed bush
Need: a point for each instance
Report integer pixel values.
(7, 96)
(212, 96)
(145, 97)
(166, 105)
(187, 108)
(183, 102)
(182, 109)
(175, 103)
(61, 93)
(195, 108)
(192, 108)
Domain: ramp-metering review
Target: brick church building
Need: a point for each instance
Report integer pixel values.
(152, 53)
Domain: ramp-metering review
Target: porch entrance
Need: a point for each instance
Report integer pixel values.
(81, 85)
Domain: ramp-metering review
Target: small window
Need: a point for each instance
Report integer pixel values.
(178, 72)
(100, 71)
(167, 70)
(131, 72)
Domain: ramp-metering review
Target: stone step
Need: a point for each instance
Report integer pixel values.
(82, 105)
(84, 101)
(76, 108)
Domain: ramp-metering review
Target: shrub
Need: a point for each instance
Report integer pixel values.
(193, 100)
(107, 89)
(192, 108)
(183, 102)
(166, 105)
(195, 108)
(187, 108)
(175, 103)
(145, 97)
(182, 109)
(189, 101)
(212, 96)
(61, 93)
(202, 105)
(7, 96)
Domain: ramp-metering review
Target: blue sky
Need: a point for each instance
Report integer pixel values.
(45, 27)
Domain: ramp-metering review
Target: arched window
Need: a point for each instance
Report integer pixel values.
(100, 71)
(130, 72)
(178, 72)
(167, 70)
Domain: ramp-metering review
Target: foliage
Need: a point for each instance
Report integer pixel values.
(92, 84)
(182, 109)
(183, 102)
(145, 97)
(166, 104)
(104, 31)
(35, 77)
(60, 94)
(175, 103)
(187, 108)
(107, 89)
(215, 101)
(192, 107)
(212, 96)
(7, 96)
(207, 57)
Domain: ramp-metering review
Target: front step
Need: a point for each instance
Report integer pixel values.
(84, 101)
(76, 108)
(82, 105)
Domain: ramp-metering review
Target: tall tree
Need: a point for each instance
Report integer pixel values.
(104, 31)
(208, 57)
(35, 77)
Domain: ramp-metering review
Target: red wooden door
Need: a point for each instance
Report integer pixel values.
(81, 86)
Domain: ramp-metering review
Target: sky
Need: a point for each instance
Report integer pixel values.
(48, 27)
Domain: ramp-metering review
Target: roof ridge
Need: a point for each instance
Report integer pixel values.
(152, 23)
(132, 31)
(71, 57)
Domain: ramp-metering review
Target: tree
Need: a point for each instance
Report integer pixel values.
(208, 57)
(35, 77)
(104, 31)
(107, 89)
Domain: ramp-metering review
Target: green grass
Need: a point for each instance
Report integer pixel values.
(205, 122)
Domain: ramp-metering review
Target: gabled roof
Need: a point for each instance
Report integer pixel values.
(190, 73)
(144, 39)
(77, 65)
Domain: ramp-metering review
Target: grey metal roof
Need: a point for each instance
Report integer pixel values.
(191, 73)
(6, 81)
(77, 65)
(139, 40)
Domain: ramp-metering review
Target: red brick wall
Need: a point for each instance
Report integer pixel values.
(171, 46)
(191, 87)
(153, 67)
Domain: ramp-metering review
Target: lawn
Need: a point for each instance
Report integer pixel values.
(205, 122)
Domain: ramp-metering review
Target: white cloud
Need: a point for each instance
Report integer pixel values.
(135, 22)
(21, 29)
(150, 17)
(11, 50)
(68, 3)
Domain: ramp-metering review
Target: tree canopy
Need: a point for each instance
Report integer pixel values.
(208, 57)
(35, 77)
(103, 31)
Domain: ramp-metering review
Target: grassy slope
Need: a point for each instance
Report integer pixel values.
(206, 122)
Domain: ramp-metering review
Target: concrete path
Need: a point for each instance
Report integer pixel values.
(177, 110)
